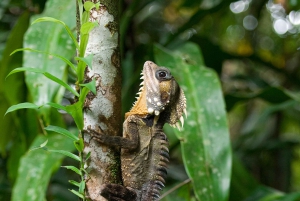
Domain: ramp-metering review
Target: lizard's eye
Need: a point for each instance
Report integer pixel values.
(163, 74)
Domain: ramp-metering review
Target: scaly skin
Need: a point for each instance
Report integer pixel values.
(144, 154)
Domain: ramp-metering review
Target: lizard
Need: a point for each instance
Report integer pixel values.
(144, 153)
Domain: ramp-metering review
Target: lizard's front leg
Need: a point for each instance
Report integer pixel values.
(125, 143)
(117, 192)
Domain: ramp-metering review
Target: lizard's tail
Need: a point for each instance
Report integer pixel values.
(151, 190)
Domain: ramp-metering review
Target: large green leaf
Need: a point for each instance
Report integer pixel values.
(12, 91)
(273, 95)
(49, 37)
(37, 166)
(205, 138)
(46, 74)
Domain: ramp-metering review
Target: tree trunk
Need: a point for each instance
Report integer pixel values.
(103, 110)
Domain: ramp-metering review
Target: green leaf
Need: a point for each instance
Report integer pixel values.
(97, 5)
(91, 86)
(46, 74)
(57, 106)
(76, 112)
(88, 5)
(87, 27)
(85, 17)
(83, 93)
(81, 64)
(77, 193)
(51, 54)
(263, 193)
(61, 131)
(12, 92)
(79, 144)
(76, 109)
(49, 37)
(40, 146)
(51, 19)
(291, 197)
(80, 10)
(87, 60)
(21, 106)
(88, 156)
(75, 183)
(275, 95)
(75, 169)
(205, 138)
(66, 153)
(82, 187)
(36, 168)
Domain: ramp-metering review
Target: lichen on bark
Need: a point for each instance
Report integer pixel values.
(103, 111)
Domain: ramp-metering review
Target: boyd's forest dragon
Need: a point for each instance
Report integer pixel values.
(144, 153)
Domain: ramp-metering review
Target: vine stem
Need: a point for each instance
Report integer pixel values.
(175, 188)
(82, 165)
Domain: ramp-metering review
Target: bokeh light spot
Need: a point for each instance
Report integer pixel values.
(280, 26)
(250, 22)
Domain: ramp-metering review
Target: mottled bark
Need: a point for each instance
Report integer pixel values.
(104, 109)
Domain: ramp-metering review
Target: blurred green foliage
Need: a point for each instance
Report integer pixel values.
(252, 45)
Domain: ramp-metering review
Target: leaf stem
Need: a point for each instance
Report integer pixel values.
(82, 161)
(175, 188)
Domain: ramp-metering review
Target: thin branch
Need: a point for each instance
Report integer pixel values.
(175, 188)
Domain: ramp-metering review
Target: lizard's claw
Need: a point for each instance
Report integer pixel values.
(98, 136)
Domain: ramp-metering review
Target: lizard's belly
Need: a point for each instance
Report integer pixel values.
(145, 169)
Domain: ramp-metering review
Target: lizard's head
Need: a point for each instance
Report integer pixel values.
(160, 95)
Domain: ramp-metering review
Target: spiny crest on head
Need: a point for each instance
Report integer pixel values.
(140, 90)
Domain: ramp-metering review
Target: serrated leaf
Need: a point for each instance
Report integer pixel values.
(75, 169)
(46, 74)
(91, 86)
(88, 5)
(77, 193)
(51, 19)
(61, 131)
(87, 60)
(75, 183)
(66, 153)
(205, 138)
(21, 106)
(48, 53)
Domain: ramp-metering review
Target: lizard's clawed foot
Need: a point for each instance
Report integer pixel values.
(95, 134)
(116, 192)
